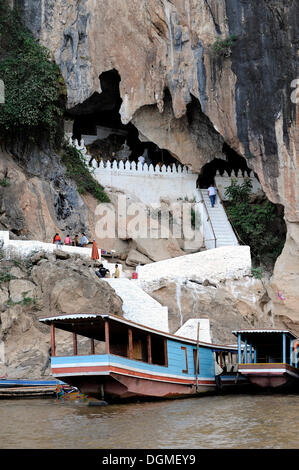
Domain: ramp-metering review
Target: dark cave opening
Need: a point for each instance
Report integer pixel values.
(98, 122)
(233, 163)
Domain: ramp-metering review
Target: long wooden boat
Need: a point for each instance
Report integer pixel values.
(268, 358)
(22, 388)
(128, 360)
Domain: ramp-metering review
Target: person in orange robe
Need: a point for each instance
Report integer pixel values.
(95, 251)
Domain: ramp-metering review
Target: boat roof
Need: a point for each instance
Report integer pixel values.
(83, 324)
(264, 331)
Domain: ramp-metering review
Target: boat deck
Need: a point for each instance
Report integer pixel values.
(29, 392)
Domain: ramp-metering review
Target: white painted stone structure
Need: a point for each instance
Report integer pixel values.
(138, 306)
(218, 230)
(148, 183)
(223, 181)
(172, 183)
(189, 329)
(215, 266)
(27, 248)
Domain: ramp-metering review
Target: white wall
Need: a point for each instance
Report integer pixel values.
(224, 181)
(26, 248)
(217, 265)
(147, 183)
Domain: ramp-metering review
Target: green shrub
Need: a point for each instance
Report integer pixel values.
(34, 89)
(255, 224)
(79, 172)
(222, 47)
(6, 276)
(4, 182)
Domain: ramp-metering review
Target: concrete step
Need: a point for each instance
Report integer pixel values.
(138, 306)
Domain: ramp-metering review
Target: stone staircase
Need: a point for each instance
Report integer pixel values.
(221, 227)
(138, 306)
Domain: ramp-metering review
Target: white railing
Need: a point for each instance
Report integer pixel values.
(223, 181)
(127, 166)
(149, 183)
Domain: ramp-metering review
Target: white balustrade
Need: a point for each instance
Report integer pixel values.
(223, 181)
(148, 182)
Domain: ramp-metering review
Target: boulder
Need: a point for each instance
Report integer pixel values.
(157, 249)
(21, 288)
(135, 258)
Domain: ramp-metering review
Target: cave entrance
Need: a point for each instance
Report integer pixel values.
(233, 162)
(98, 122)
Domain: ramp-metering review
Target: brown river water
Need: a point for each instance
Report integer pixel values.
(211, 422)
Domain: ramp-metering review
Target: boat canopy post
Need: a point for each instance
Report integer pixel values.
(291, 352)
(149, 349)
(107, 340)
(245, 351)
(53, 349)
(239, 349)
(295, 353)
(131, 350)
(284, 355)
(255, 355)
(250, 353)
(75, 344)
(92, 350)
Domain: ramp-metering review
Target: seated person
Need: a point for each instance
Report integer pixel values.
(68, 240)
(83, 240)
(117, 273)
(76, 241)
(57, 239)
(101, 271)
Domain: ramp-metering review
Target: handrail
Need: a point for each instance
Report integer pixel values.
(209, 218)
(230, 221)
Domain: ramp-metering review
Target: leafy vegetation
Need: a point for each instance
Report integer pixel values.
(255, 224)
(34, 89)
(4, 182)
(257, 272)
(6, 276)
(78, 171)
(222, 47)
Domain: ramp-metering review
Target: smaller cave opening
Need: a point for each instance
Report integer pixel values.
(98, 122)
(233, 163)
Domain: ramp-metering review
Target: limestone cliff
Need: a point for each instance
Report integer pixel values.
(187, 95)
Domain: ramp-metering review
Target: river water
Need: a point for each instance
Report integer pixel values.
(221, 422)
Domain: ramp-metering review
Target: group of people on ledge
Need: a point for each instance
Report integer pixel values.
(102, 272)
(82, 242)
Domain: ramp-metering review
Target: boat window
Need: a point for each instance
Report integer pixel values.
(195, 357)
(119, 341)
(185, 371)
(159, 350)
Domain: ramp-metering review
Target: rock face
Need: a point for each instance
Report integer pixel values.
(42, 287)
(38, 200)
(216, 285)
(239, 93)
(228, 306)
